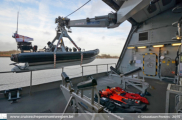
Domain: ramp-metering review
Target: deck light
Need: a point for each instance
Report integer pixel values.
(131, 47)
(158, 46)
(176, 44)
(178, 38)
(142, 47)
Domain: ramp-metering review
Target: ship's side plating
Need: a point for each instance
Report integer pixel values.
(152, 26)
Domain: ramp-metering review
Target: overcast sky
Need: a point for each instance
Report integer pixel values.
(37, 17)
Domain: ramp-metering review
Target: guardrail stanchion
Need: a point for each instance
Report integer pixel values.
(30, 82)
(96, 68)
(107, 67)
(82, 71)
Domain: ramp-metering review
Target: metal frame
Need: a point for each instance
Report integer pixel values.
(139, 84)
(171, 90)
(135, 82)
(96, 67)
(62, 34)
(80, 101)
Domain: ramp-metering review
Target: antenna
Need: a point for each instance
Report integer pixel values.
(17, 22)
(17, 29)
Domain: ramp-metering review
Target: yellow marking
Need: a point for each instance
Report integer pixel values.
(130, 47)
(146, 53)
(143, 67)
(173, 61)
(151, 53)
(168, 62)
(156, 73)
(153, 75)
(143, 56)
(143, 62)
(151, 87)
(156, 67)
(163, 61)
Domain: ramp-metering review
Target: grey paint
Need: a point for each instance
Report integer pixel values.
(149, 64)
(169, 65)
(160, 31)
(160, 24)
(144, 14)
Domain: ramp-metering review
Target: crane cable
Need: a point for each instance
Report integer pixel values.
(78, 8)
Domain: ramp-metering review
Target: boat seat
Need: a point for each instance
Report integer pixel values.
(87, 84)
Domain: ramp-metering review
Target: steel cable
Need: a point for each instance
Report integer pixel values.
(78, 8)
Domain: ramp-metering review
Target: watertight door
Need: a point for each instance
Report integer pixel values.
(150, 64)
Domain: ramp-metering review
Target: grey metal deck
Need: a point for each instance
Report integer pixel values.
(52, 100)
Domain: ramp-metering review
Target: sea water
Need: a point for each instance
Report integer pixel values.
(15, 80)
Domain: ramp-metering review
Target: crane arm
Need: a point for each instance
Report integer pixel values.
(99, 21)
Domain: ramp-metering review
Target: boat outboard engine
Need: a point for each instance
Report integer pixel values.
(74, 49)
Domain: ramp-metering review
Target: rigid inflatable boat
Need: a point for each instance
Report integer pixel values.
(36, 58)
(45, 60)
(55, 56)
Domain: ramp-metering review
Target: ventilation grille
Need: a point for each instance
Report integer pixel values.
(143, 36)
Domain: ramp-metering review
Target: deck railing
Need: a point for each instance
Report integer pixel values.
(81, 71)
(97, 67)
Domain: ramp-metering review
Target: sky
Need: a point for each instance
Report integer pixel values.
(37, 20)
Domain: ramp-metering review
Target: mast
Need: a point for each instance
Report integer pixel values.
(17, 22)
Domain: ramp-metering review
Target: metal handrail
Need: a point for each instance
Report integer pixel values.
(96, 67)
(31, 72)
(99, 64)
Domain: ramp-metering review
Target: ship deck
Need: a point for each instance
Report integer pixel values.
(53, 101)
